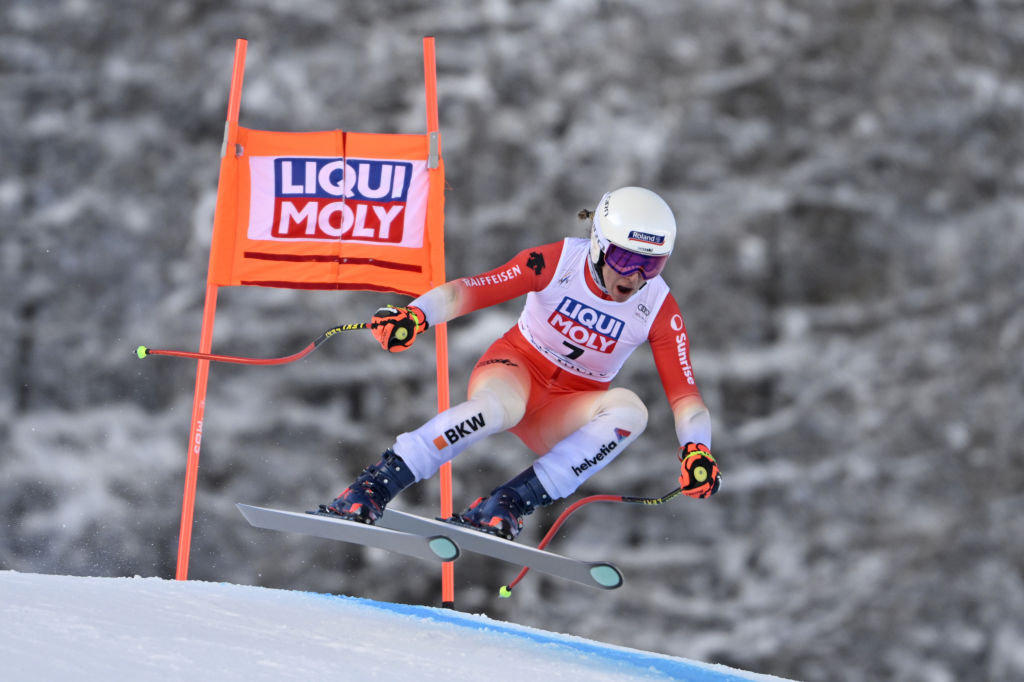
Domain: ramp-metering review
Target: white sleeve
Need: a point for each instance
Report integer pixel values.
(694, 426)
(439, 304)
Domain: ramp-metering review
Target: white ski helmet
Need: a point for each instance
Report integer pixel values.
(633, 231)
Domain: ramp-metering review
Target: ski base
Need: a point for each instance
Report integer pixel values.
(427, 546)
(591, 573)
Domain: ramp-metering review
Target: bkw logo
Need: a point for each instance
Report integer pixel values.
(459, 431)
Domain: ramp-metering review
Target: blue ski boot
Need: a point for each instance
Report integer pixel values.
(502, 512)
(365, 499)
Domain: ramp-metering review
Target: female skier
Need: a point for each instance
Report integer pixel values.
(589, 304)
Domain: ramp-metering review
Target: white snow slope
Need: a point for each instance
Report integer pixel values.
(139, 629)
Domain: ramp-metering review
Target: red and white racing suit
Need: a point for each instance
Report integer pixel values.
(547, 380)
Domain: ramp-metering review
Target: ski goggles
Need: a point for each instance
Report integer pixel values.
(627, 262)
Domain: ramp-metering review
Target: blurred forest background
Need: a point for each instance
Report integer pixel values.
(849, 182)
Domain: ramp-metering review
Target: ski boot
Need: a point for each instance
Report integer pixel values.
(365, 499)
(502, 512)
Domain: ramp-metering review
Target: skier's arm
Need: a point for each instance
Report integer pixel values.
(397, 327)
(529, 270)
(698, 472)
(671, 348)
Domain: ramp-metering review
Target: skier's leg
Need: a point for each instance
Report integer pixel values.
(618, 417)
(497, 401)
(449, 433)
(599, 426)
(498, 391)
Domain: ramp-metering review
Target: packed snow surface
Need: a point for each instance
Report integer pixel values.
(153, 629)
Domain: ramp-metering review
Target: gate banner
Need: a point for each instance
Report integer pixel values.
(328, 210)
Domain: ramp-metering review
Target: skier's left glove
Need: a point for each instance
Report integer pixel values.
(396, 328)
(698, 472)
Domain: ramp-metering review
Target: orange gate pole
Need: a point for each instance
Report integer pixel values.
(441, 331)
(205, 343)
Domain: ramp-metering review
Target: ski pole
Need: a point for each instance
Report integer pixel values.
(143, 351)
(506, 590)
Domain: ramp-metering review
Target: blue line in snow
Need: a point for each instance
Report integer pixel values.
(674, 668)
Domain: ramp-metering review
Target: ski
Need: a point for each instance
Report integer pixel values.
(430, 546)
(593, 574)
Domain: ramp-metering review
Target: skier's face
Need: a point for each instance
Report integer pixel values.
(620, 287)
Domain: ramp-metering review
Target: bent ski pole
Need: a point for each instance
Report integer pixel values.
(506, 590)
(143, 351)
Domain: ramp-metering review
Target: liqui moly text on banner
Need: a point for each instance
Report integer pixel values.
(370, 201)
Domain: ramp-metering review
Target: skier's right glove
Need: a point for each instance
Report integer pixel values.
(396, 328)
(698, 472)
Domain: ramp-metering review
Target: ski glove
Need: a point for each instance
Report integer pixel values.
(698, 471)
(396, 328)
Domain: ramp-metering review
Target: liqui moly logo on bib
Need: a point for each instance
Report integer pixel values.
(321, 198)
(585, 326)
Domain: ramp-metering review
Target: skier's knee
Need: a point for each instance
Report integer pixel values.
(507, 406)
(627, 407)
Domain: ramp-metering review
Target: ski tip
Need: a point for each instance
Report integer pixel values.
(250, 513)
(141, 352)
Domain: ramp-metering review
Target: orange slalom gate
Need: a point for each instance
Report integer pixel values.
(331, 210)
